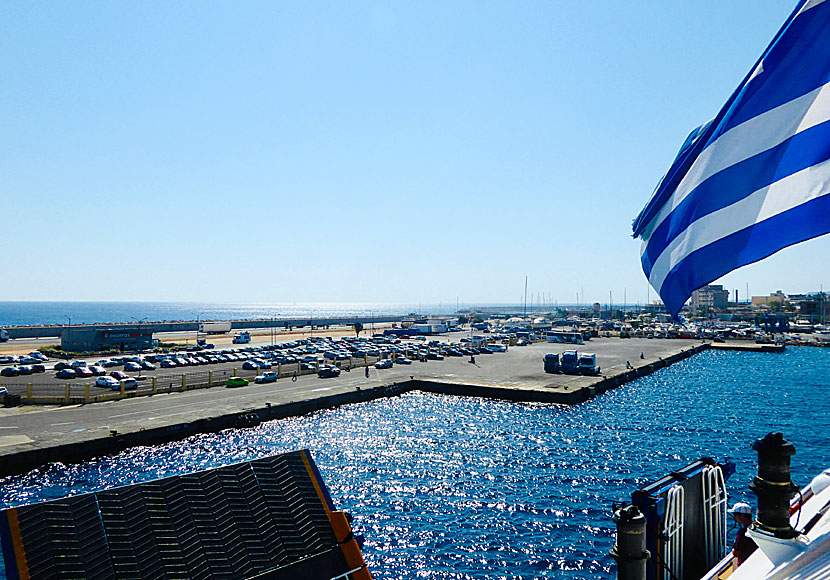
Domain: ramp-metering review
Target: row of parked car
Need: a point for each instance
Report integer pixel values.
(23, 365)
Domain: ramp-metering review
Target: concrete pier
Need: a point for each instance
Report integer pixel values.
(31, 436)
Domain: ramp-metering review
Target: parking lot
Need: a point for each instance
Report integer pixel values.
(203, 369)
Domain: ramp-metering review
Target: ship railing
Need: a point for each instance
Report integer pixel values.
(347, 575)
(673, 534)
(714, 514)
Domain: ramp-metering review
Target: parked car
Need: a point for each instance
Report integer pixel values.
(65, 373)
(132, 366)
(24, 370)
(167, 363)
(236, 382)
(129, 384)
(83, 372)
(434, 355)
(120, 375)
(107, 382)
(38, 369)
(328, 372)
(62, 365)
(384, 364)
(78, 364)
(12, 372)
(147, 366)
(268, 377)
(4, 391)
(98, 370)
(250, 366)
(402, 360)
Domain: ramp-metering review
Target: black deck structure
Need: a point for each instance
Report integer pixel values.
(265, 519)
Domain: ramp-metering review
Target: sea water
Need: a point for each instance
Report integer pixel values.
(42, 313)
(456, 488)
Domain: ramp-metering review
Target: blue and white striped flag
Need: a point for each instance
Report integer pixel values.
(756, 178)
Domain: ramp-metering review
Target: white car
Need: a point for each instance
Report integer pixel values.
(107, 382)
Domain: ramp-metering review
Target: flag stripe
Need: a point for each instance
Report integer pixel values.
(744, 247)
(739, 181)
(774, 199)
(794, 66)
(744, 141)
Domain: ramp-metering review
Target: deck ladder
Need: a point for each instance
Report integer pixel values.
(673, 534)
(714, 514)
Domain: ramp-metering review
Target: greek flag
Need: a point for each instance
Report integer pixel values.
(756, 178)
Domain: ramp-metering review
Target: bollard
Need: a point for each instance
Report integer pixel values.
(210, 378)
(773, 487)
(86, 393)
(184, 381)
(67, 393)
(279, 369)
(154, 385)
(234, 372)
(29, 391)
(122, 389)
(630, 550)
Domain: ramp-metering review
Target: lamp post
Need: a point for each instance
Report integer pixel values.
(198, 320)
(139, 321)
(68, 330)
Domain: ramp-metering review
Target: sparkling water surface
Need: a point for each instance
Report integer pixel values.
(457, 487)
(37, 313)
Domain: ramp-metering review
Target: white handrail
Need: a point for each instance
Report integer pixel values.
(345, 575)
(673, 534)
(714, 514)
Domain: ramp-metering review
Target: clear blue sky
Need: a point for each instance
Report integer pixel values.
(356, 151)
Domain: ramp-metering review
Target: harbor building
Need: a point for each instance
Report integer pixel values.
(777, 297)
(710, 297)
(104, 337)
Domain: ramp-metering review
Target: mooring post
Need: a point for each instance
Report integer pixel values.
(773, 486)
(630, 550)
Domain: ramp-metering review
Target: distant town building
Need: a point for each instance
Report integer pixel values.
(815, 307)
(777, 297)
(710, 297)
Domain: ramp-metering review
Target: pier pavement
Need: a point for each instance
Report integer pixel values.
(31, 436)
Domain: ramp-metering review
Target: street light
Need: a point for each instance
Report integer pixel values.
(198, 320)
(139, 327)
(68, 330)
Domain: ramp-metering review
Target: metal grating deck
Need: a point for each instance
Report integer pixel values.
(265, 519)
